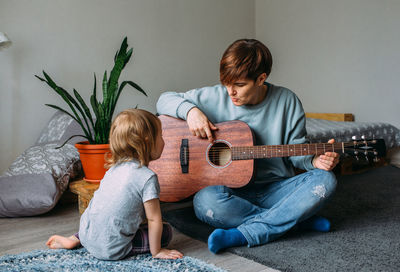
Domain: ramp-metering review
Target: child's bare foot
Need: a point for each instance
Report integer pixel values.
(57, 241)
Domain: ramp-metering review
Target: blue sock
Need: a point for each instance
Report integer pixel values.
(220, 239)
(317, 223)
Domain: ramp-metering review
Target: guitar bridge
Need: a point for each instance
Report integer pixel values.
(184, 156)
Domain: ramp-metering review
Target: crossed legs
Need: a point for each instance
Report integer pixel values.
(261, 215)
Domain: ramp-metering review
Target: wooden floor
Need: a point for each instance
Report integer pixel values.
(19, 235)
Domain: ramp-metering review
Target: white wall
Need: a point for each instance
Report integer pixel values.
(338, 56)
(177, 45)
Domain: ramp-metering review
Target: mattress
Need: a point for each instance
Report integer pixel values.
(320, 131)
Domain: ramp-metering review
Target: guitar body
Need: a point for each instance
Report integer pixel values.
(201, 167)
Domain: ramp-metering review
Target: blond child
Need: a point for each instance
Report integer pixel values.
(110, 228)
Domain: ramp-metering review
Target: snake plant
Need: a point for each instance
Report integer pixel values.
(96, 128)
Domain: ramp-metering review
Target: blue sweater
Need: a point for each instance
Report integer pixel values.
(279, 119)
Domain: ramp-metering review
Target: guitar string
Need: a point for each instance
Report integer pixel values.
(338, 145)
(217, 154)
(285, 147)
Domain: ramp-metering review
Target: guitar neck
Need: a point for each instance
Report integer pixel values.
(275, 151)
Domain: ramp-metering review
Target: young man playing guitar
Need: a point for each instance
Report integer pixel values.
(276, 199)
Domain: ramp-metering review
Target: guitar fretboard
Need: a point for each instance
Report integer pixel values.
(274, 151)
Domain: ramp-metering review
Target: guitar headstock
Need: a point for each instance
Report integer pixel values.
(366, 148)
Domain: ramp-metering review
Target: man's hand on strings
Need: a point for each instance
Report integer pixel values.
(327, 161)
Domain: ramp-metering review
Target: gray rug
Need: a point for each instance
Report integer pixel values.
(365, 236)
(81, 260)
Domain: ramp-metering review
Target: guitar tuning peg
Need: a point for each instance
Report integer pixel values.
(376, 159)
(356, 155)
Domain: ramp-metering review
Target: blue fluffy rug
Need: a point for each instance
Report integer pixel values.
(81, 260)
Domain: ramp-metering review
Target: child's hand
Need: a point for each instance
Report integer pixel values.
(168, 254)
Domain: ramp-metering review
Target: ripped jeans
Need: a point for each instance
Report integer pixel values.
(263, 214)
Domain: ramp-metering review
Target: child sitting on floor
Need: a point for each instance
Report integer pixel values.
(110, 228)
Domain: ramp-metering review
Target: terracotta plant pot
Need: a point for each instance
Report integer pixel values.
(93, 160)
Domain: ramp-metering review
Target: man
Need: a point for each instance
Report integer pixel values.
(276, 200)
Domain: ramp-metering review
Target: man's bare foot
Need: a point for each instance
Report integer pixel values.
(57, 241)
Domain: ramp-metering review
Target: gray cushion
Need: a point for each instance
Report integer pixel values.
(27, 195)
(37, 178)
(59, 129)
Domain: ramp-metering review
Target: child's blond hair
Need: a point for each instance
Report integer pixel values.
(133, 135)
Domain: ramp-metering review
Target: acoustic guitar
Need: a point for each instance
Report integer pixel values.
(189, 163)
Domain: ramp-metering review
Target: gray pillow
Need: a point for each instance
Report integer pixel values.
(59, 129)
(27, 195)
(37, 178)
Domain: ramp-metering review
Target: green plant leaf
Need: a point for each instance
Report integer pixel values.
(124, 45)
(105, 88)
(100, 127)
(127, 57)
(95, 105)
(93, 100)
(115, 73)
(71, 138)
(115, 56)
(86, 109)
(134, 85)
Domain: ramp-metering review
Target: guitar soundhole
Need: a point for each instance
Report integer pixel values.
(219, 154)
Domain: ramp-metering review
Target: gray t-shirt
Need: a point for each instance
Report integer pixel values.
(116, 210)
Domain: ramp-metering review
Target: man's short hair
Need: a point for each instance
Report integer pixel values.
(244, 59)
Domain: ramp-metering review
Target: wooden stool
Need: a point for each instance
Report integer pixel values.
(85, 191)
